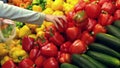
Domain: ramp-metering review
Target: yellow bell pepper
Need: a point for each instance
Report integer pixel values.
(37, 8)
(6, 58)
(17, 54)
(33, 36)
(40, 34)
(49, 3)
(25, 30)
(4, 49)
(67, 7)
(41, 28)
(47, 24)
(72, 2)
(48, 11)
(32, 26)
(57, 12)
(57, 5)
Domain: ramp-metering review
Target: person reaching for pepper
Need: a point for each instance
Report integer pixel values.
(23, 15)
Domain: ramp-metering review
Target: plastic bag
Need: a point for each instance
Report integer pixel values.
(7, 30)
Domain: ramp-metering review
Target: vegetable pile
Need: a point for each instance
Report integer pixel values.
(89, 39)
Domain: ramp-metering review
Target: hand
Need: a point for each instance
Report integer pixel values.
(55, 19)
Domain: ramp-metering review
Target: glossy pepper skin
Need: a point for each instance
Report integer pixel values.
(90, 25)
(80, 16)
(18, 54)
(27, 43)
(93, 10)
(42, 41)
(77, 47)
(105, 19)
(33, 54)
(70, 15)
(98, 29)
(65, 47)
(108, 7)
(49, 50)
(102, 1)
(117, 15)
(72, 33)
(80, 6)
(26, 63)
(57, 39)
(39, 61)
(50, 63)
(9, 64)
(87, 38)
(64, 57)
(117, 4)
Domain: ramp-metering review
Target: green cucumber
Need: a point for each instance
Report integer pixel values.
(113, 30)
(68, 65)
(104, 58)
(104, 49)
(117, 23)
(95, 62)
(82, 62)
(109, 40)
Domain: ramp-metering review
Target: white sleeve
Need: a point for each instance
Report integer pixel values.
(20, 14)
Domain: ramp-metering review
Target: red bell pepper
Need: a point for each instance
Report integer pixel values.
(77, 47)
(36, 45)
(98, 29)
(70, 24)
(93, 10)
(50, 63)
(26, 63)
(87, 38)
(33, 54)
(50, 31)
(64, 57)
(60, 28)
(49, 50)
(27, 43)
(91, 24)
(117, 15)
(72, 33)
(80, 17)
(105, 19)
(108, 7)
(70, 15)
(82, 26)
(39, 61)
(57, 39)
(64, 47)
(102, 1)
(79, 6)
(117, 4)
(42, 41)
(9, 64)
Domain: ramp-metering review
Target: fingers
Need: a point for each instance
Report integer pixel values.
(58, 22)
(63, 18)
(56, 19)
(55, 24)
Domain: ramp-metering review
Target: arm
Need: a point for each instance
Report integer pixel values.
(20, 14)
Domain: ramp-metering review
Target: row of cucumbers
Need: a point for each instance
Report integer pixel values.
(103, 53)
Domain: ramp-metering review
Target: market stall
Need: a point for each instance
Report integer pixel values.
(89, 39)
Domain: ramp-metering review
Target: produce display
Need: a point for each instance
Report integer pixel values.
(89, 39)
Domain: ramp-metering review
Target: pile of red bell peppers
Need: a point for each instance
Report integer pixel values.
(86, 20)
